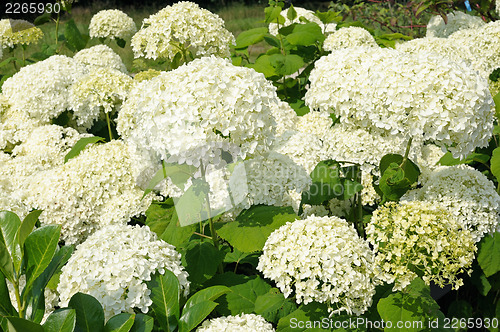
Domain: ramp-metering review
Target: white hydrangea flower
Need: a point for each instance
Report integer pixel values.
(349, 37)
(467, 193)
(419, 238)
(18, 32)
(455, 21)
(112, 23)
(284, 116)
(185, 26)
(42, 89)
(113, 265)
(100, 56)
(91, 190)
(239, 323)
(15, 125)
(102, 89)
(302, 13)
(423, 96)
(316, 123)
(321, 259)
(199, 112)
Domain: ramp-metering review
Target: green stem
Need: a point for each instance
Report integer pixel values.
(24, 56)
(109, 127)
(18, 299)
(405, 158)
(203, 235)
(358, 206)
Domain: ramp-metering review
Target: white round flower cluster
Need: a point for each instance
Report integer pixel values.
(183, 27)
(220, 108)
(424, 96)
(102, 89)
(419, 238)
(111, 23)
(302, 14)
(321, 259)
(100, 56)
(42, 89)
(467, 193)
(456, 20)
(284, 116)
(18, 32)
(113, 264)
(91, 190)
(15, 125)
(349, 37)
(239, 323)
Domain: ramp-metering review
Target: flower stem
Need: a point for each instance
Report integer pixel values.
(18, 299)
(358, 206)
(407, 152)
(109, 127)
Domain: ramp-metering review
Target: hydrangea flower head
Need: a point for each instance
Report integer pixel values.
(112, 23)
(349, 37)
(238, 323)
(18, 32)
(455, 21)
(100, 56)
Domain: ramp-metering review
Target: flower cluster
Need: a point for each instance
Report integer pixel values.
(302, 14)
(146, 75)
(112, 23)
(321, 259)
(48, 83)
(102, 89)
(91, 190)
(423, 96)
(18, 32)
(349, 37)
(419, 238)
(456, 20)
(239, 323)
(113, 264)
(100, 56)
(182, 27)
(467, 193)
(199, 111)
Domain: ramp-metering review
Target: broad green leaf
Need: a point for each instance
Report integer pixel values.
(286, 64)
(488, 254)
(242, 297)
(273, 41)
(496, 99)
(40, 246)
(61, 320)
(291, 14)
(6, 266)
(42, 19)
(479, 280)
(27, 226)
(201, 260)
(193, 206)
(165, 296)
(80, 145)
(6, 308)
(195, 315)
(303, 318)
(89, 313)
(239, 257)
(142, 323)
(9, 227)
(329, 16)
(299, 106)
(396, 179)
(273, 306)
(250, 37)
(263, 65)
(17, 324)
(252, 227)
(495, 163)
(207, 294)
(306, 34)
(272, 14)
(74, 38)
(448, 160)
(120, 323)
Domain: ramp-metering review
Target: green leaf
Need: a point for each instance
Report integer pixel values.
(89, 313)
(61, 320)
(179, 174)
(17, 324)
(460, 309)
(193, 206)
(495, 163)
(162, 219)
(306, 34)
(273, 306)
(207, 294)
(273, 41)
(27, 226)
(6, 266)
(479, 280)
(74, 39)
(414, 304)
(329, 16)
(263, 65)
(242, 297)
(496, 99)
(142, 323)
(201, 260)
(40, 247)
(240, 257)
(448, 160)
(80, 145)
(488, 254)
(165, 296)
(252, 227)
(42, 19)
(286, 64)
(291, 14)
(120, 323)
(6, 308)
(396, 180)
(195, 315)
(299, 106)
(250, 37)
(272, 14)
(9, 227)
(120, 42)
(303, 318)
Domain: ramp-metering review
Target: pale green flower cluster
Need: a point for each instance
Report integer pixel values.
(146, 75)
(239, 323)
(183, 27)
(321, 259)
(113, 264)
(18, 32)
(112, 23)
(100, 56)
(102, 89)
(349, 37)
(455, 21)
(424, 239)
